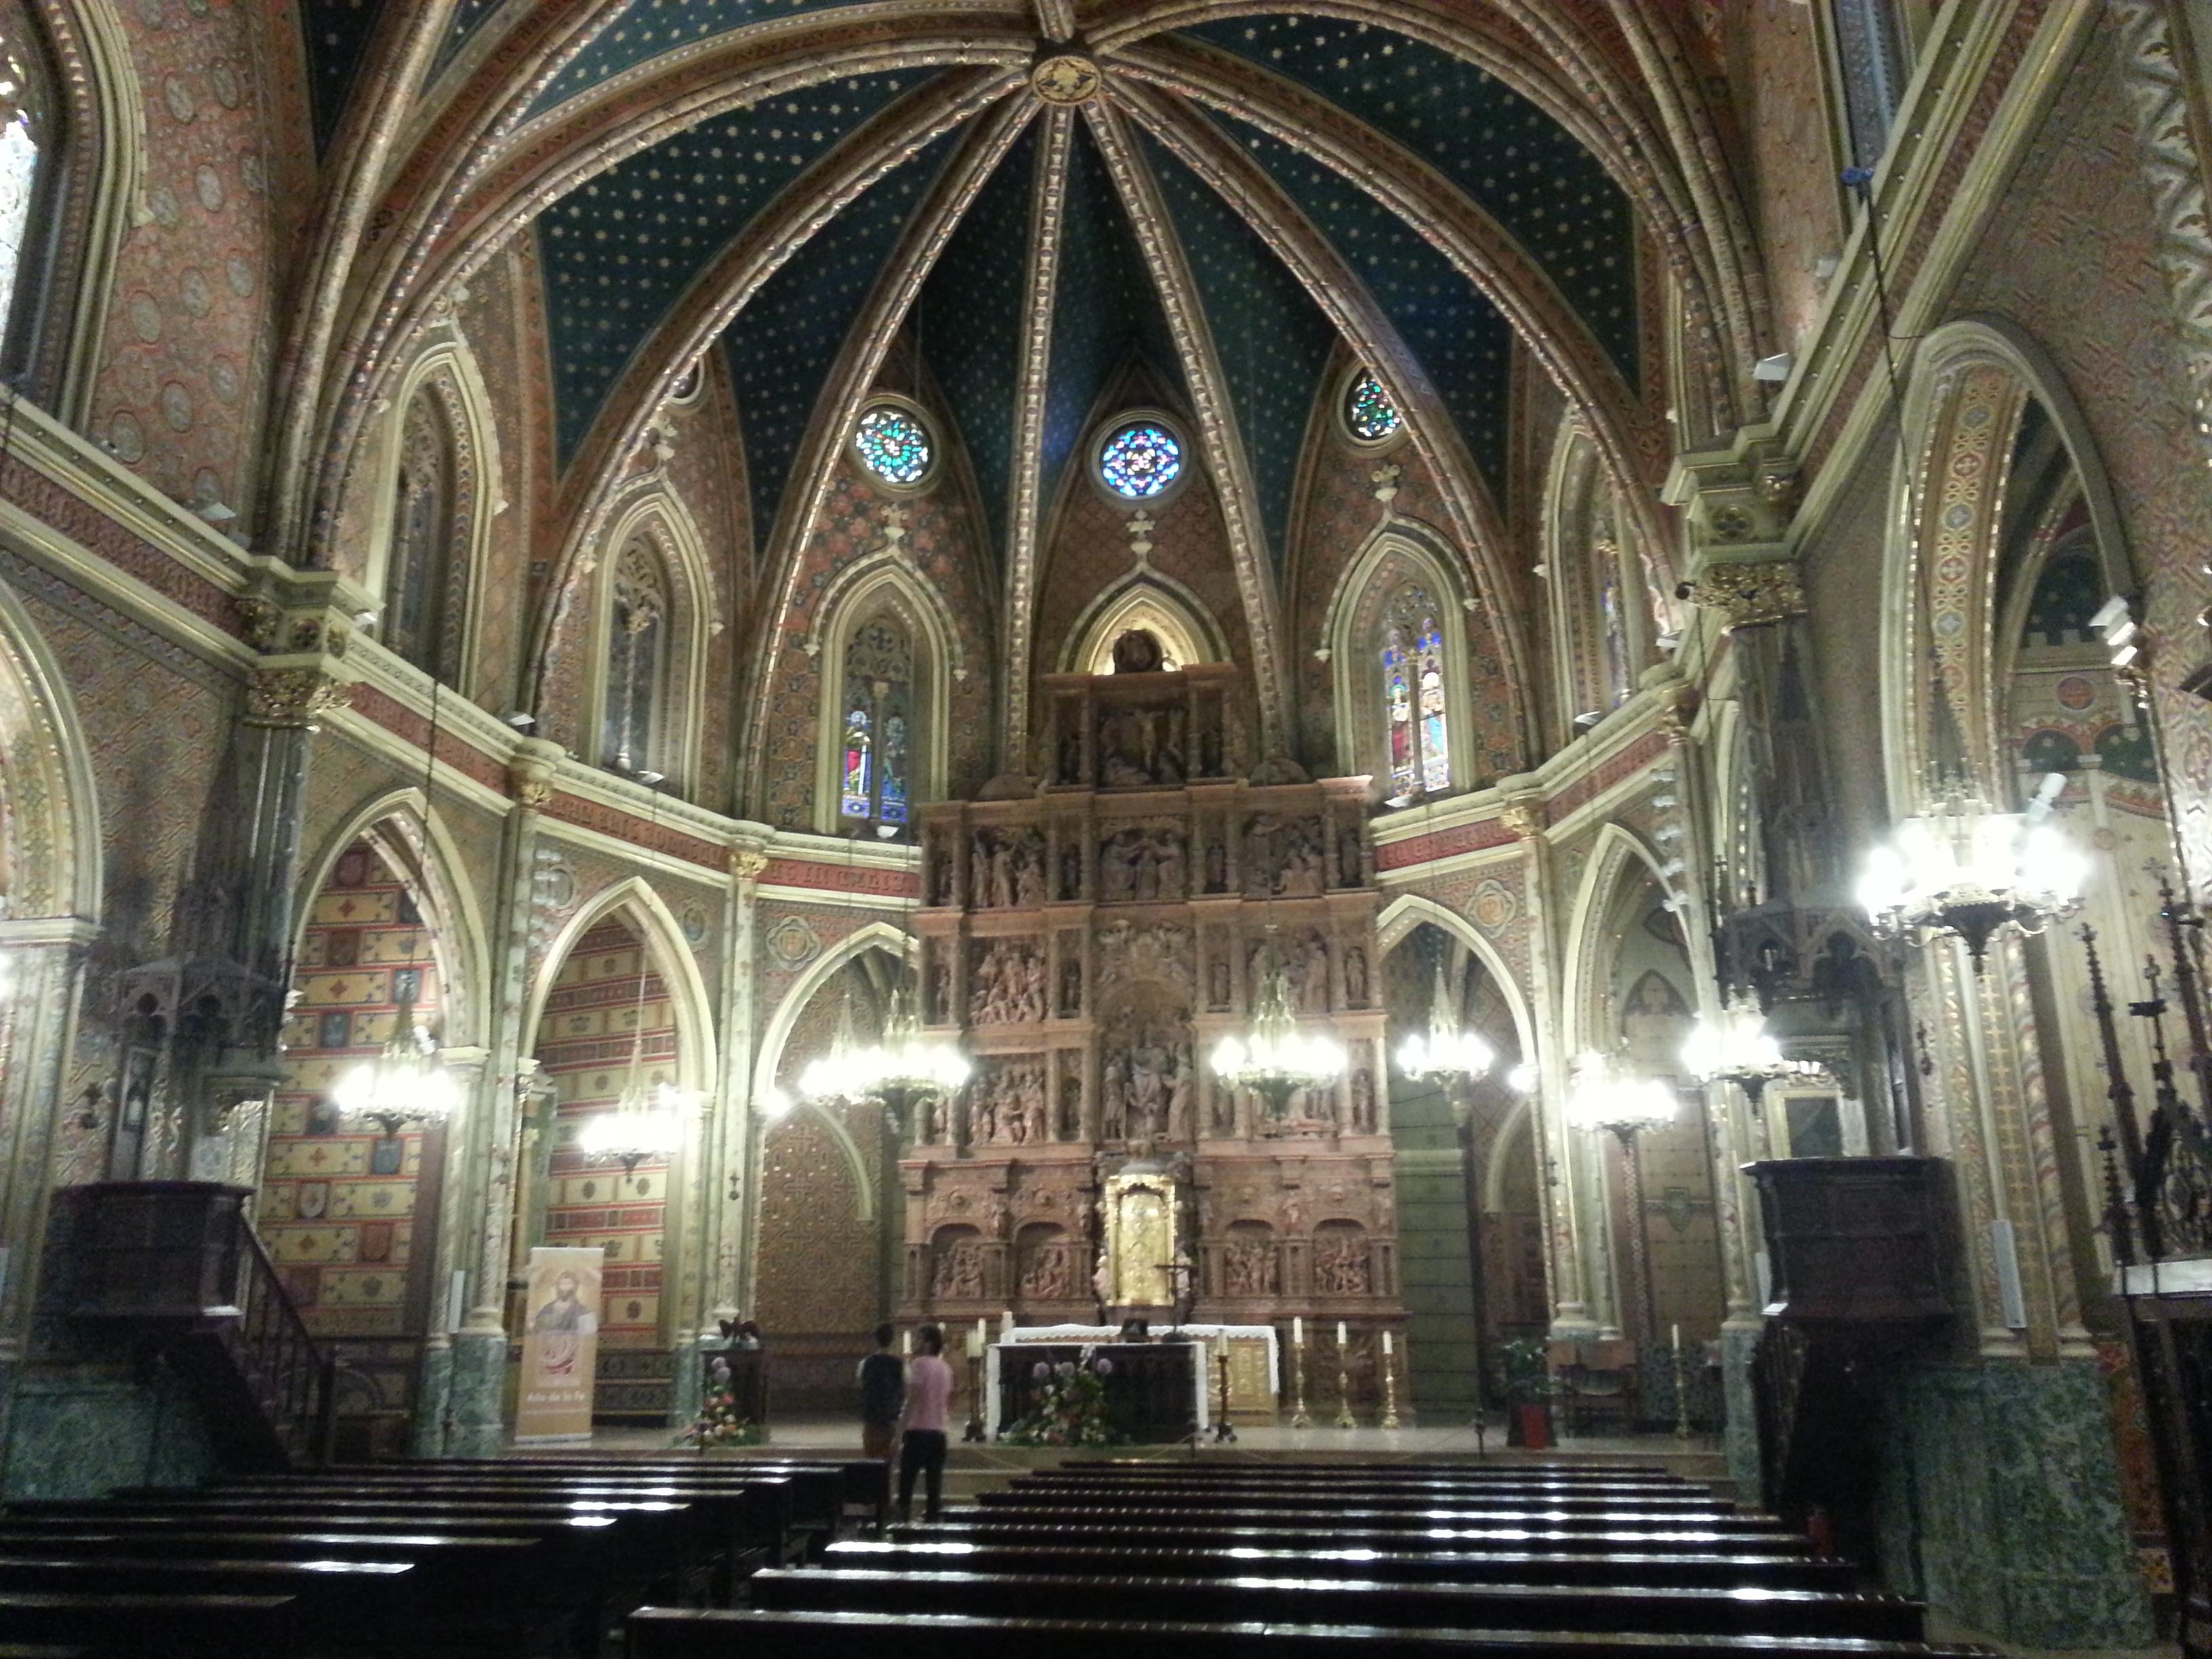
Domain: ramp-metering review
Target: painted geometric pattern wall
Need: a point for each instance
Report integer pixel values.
(341, 1202)
(584, 1046)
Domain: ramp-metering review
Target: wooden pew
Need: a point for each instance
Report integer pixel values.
(683, 1634)
(353, 1606)
(479, 1595)
(1292, 1468)
(1286, 1533)
(1651, 1570)
(1368, 1494)
(133, 1626)
(1233, 1510)
(823, 1489)
(1349, 1601)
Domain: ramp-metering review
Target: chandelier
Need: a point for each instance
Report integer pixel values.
(1275, 1059)
(903, 1066)
(1734, 1046)
(1446, 1052)
(404, 1082)
(1604, 1096)
(1969, 871)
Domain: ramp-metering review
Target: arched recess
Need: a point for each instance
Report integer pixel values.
(443, 397)
(1973, 382)
(1471, 1223)
(349, 1210)
(86, 208)
(51, 898)
(1605, 607)
(1397, 559)
(654, 519)
(829, 1213)
(620, 1004)
(885, 583)
(1156, 603)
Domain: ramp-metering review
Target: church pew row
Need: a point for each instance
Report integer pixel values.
(1244, 1508)
(1236, 1464)
(1346, 1602)
(684, 1633)
(1655, 1569)
(823, 1489)
(1395, 1496)
(124, 1625)
(351, 1607)
(1285, 1532)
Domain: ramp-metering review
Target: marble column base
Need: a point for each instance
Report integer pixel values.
(1741, 1438)
(476, 1409)
(687, 1387)
(82, 1433)
(433, 1397)
(1999, 1500)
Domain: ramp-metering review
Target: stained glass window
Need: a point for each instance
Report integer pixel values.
(637, 643)
(877, 756)
(893, 445)
(1413, 696)
(419, 570)
(1369, 411)
(23, 137)
(1140, 460)
(1612, 621)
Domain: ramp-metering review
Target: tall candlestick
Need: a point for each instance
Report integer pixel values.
(906, 1342)
(1297, 1332)
(1340, 1338)
(1678, 1339)
(1386, 1344)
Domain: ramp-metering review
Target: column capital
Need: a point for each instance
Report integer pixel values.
(530, 771)
(1739, 502)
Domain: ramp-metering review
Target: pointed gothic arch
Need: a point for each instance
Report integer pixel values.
(641, 908)
(652, 547)
(1152, 601)
(1398, 564)
(885, 585)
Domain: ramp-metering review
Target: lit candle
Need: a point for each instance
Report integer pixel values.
(906, 1342)
(1342, 1341)
(1297, 1332)
(975, 1345)
(1678, 1339)
(1006, 1325)
(1386, 1344)
(983, 1334)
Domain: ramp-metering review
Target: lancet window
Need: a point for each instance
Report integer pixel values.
(876, 766)
(1412, 658)
(27, 145)
(419, 572)
(637, 657)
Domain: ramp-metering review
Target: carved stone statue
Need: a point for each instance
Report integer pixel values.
(1033, 1118)
(1224, 1114)
(1348, 872)
(1113, 1124)
(1071, 874)
(1309, 973)
(1071, 1108)
(1217, 988)
(1071, 989)
(1248, 1268)
(1181, 1089)
(1339, 1264)
(1355, 977)
(1217, 867)
(957, 1272)
(1363, 1101)
(1008, 984)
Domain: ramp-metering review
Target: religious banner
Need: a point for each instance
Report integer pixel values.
(560, 1345)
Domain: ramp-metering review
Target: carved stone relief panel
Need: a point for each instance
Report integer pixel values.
(1005, 982)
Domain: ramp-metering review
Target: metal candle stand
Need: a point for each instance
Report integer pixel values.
(1390, 1391)
(1299, 1417)
(974, 1433)
(1222, 1430)
(1681, 1394)
(1345, 1419)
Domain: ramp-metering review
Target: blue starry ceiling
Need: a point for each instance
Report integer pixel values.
(970, 324)
(782, 345)
(619, 250)
(1272, 340)
(1458, 335)
(1508, 156)
(1106, 309)
(645, 28)
(468, 17)
(337, 38)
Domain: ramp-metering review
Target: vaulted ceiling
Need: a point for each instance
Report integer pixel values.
(1033, 196)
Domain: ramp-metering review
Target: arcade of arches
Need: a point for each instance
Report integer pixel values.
(596, 568)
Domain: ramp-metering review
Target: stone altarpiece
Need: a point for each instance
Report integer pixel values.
(1090, 942)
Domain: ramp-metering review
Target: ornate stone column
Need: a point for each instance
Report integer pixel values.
(485, 1156)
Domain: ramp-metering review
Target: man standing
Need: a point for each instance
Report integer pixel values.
(883, 1392)
(928, 1396)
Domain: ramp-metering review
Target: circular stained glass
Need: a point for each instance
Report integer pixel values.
(1140, 460)
(893, 445)
(1369, 411)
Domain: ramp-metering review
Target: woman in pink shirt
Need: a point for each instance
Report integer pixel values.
(921, 1448)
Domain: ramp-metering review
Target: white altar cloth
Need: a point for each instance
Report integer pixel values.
(1202, 1378)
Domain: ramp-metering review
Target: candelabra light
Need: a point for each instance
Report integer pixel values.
(404, 1083)
(904, 1065)
(1605, 1097)
(1968, 871)
(1275, 1059)
(1734, 1046)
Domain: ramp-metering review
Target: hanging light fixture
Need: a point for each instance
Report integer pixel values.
(1605, 1097)
(1275, 1059)
(645, 1122)
(1970, 872)
(1446, 1052)
(404, 1083)
(1734, 1046)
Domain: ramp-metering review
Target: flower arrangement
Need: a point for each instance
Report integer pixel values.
(1071, 1407)
(719, 1422)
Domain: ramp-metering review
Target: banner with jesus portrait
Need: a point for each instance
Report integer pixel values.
(560, 1345)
